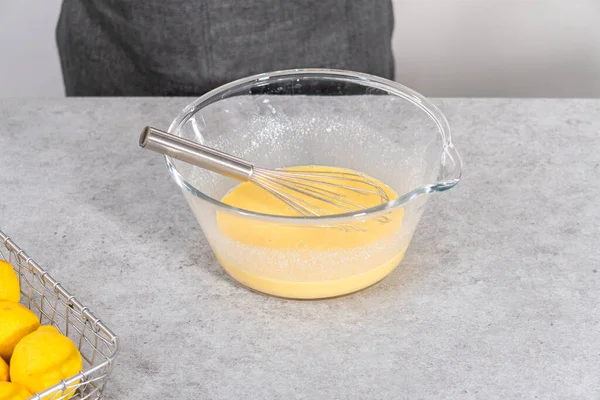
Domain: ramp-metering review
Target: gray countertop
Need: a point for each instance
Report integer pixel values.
(498, 295)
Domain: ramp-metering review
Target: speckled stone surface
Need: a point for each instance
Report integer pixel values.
(498, 296)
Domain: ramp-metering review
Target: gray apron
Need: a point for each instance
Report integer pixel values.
(188, 47)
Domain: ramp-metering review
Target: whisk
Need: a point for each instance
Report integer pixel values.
(301, 190)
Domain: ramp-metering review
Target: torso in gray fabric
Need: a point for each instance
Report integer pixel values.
(179, 47)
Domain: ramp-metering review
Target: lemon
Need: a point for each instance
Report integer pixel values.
(3, 371)
(9, 283)
(16, 321)
(13, 391)
(43, 358)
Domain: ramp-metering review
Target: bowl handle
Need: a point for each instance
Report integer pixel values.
(452, 168)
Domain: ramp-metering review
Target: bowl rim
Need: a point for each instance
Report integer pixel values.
(389, 86)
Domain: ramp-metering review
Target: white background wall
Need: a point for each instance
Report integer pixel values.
(28, 57)
(547, 48)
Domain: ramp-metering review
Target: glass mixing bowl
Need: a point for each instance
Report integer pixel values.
(316, 117)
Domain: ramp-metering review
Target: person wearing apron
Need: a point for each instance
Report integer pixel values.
(188, 47)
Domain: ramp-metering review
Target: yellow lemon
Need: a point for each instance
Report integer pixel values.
(13, 391)
(3, 371)
(43, 358)
(16, 321)
(9, 283)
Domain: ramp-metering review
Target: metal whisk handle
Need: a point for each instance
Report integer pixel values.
(195, 153)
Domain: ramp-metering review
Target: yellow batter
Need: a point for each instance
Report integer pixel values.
(346, 265)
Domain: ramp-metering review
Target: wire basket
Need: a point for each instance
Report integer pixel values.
(55, 306)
